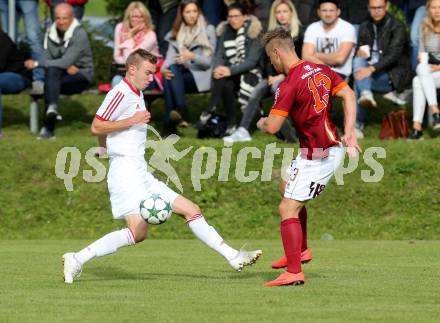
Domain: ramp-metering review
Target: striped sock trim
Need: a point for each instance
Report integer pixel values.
(131, 236)
(194, 217)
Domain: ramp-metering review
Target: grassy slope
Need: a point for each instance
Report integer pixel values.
(182, 281)
(35, 204)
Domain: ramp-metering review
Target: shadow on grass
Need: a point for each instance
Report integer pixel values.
(116, 273)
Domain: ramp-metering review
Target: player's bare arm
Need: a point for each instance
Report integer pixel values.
(271, 124)
(337, 58)
(100, 127)
(349, 103)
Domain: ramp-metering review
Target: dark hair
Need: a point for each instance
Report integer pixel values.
(138, 56)
(179, 17)
(335, 2)
(280, 35)
(240, 7)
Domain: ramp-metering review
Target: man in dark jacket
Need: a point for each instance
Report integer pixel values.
(382, 59)
(68, 62)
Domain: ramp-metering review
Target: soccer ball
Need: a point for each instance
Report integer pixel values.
(155, 208)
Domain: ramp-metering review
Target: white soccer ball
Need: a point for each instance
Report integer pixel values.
(155, 208)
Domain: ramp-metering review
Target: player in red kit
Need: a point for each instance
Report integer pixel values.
(304, 96)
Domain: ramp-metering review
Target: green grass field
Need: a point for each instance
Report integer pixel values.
(179, 280)
(182, 281)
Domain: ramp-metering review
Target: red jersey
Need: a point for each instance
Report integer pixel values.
(305, 96)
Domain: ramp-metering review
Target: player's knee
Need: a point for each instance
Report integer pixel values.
(138, 230)
(139, 235)
(287, 210)
(195, 209)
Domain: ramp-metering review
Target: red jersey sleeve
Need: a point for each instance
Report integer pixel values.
(284, 98)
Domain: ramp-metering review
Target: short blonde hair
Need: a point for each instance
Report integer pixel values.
(294, 23)
(138, 56)
(144, 11)
(280, 38)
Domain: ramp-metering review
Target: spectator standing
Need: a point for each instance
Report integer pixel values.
(14, 76)
(135, 31)
(387, 67)
(307, 10)
(28, 9)
(163, 13)
(214, 11)
(355, 12)
(236, 63)
(428, 71)
(282, 14)
(68, 62)
(331, 40)
(188, 64)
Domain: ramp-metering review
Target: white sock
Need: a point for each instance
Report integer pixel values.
(106, 245)
(208, 235)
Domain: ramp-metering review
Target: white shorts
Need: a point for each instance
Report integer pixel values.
(129, 182)
(308, 178)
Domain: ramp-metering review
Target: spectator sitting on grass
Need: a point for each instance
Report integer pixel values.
(428, 71)
(14, 77)
(135, 31)
(188, 63)
(387, 67)
(68, 62)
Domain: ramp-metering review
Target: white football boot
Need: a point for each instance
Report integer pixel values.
(72, 267)
(244, 258)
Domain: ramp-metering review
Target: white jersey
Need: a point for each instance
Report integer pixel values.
(122, 102)
(329, 42)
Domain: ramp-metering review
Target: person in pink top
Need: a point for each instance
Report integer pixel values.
(135, 31)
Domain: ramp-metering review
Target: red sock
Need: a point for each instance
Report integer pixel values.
(291, 235)
(303, 219)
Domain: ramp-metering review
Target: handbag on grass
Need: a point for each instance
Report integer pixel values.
(395, 125)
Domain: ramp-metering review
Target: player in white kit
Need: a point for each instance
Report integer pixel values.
(121, 123)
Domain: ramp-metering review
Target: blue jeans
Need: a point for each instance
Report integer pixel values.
(377, 82)
(415, 34)
(175, 89)
(10, 83)
(29, 10)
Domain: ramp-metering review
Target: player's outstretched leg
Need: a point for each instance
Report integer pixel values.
(207, 234)
(306, 253)
(291, 235)
(110, 243)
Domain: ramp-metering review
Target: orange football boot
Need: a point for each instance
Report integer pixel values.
(306, 256)
(287, 278)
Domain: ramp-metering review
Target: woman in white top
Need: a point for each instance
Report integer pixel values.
(428, 71)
